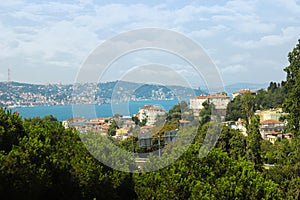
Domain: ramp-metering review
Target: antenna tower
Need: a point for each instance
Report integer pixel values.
(8, 76)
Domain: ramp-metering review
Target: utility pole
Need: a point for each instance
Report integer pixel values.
(159, 151)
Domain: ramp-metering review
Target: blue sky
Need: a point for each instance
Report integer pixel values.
(47, 41)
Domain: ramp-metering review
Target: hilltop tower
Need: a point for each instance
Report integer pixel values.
(8, 75)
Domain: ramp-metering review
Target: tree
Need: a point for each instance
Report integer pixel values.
(247, 106)
(234, 109)
(292, 100)
(206, 112)
(215, 176)
(50, 162)
(11, 129)
(254, 142)
(112, 128)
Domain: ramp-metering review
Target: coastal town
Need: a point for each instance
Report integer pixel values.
(271, 128)
(14, 94)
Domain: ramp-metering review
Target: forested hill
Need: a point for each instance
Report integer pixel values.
(15, 93)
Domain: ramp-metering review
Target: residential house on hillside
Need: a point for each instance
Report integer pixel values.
(238, 125)
(271, 130)
(220, 101)
(274, 114)
(241, 92)
(151, 113)
(74, 122)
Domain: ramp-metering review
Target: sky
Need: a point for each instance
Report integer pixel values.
(49, 41)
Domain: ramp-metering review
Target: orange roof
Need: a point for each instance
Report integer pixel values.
(271, 121)
(273, 133)
(75, 119)
(244, 91)
(146, 127)
(99, 119)
(152, 107)
(105, 126)
(212, 97)
(240, 120)
(184, 121)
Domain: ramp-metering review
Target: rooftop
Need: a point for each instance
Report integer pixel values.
(244, 91)
(271, 121)
(212, 96)
(152, 107)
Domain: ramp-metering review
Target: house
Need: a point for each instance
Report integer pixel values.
(288, 136)
(183, 122)
(121, 131)
(220, 102)
(146, 129)
(274, 114)
(74, 122)
(241, 92)
(238, 125)
(151, 113)
(273, 136)
(270, 129)
(128, 124)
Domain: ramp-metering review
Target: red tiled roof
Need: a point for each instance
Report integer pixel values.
(146, 127)
(212, 97)
(273, 133)
(271, 121)
(75, 119)
(240, 120)
(152, 107)
(244, 91)
(183, 121)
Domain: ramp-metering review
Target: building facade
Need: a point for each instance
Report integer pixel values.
(271, 130)
(151, 113)
(274, 114)
(220, 102)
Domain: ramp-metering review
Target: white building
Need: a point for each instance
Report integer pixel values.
(150, 112)
(220, 101)
(238, 125)
(241, 92)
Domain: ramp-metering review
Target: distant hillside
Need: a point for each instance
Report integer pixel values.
(23, 94)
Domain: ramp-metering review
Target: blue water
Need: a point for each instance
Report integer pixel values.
(92, 111)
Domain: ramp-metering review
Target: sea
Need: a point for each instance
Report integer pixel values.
(91, 111)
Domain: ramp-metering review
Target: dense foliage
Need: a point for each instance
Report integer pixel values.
(39, 159)
(244, 106)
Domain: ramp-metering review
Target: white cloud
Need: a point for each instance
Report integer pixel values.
(233, 69)
(291, 5)
(54, 34)
(241, 6)
(287, 34)
(205, 33)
